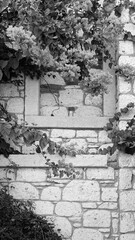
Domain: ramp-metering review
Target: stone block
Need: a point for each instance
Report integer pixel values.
(86, 134)
(115, 223)
(51, 193)
(48, 99)
(103, 137)
(15, 105)
(54, 111)
(109, 194)
(100, 173)
(89, 205)
(127, 60)
(127, 200)
(79, 145)
(68, 209)
(52, 78)
(123, 85)
(128, 236)
(87, 111)
(29, 149)
(108, 205)
(21, 190)
(126, 47)
(64, 225)
(71, 97)
(8, 90)
(81, 190)
(130, 27)
(95, 101)
(63, 133)
(85, 234)
(125, 16)
(31, 175)
(97, 218)
(126, 160)
(43, 208)
(127, 222)
(125, 178)
(123, 100)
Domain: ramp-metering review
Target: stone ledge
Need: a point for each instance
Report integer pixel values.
(67, 122)
(37, 160)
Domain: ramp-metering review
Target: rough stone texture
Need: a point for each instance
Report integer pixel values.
(85, 234)
(127, 222)
(100, 173)
(126, 160)
(75, 94)
(8, 90)
(124, 100)
(125, 16)
(49, 79)
(108, 205)
(48, 99)
(125, 178)
(115, 223)
(79, 190)
(64, 225)
(31, 175)
(87, 111)
(127, 200)
(15, 105)
(89, 205)
(96, 100)
(123, 86)
(86, 133)
(103, 137)
(127, 60)
(43, 208)
(128, 236)
(54, 111)
(79, 145)
(126, 47)
(23, 191)
(97, 218)
(56, 133)
(68, 209)
(51, 193)
(109, 194)
(130, 27)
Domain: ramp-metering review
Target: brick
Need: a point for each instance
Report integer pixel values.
(123, 85)
(51, 193)
(86, 133)
(125, 178)
(85, 234)
(68, 209)
(100, 173)
(15, 105)
(31, 175)
(127, 223)
(97, 218)
(8, 90)
(103, 137)
(81, 190)
(127, 200)
(109, 194)
(75, 94)
(128, 236)
(43, 208)
(64, 225)
(21, 190)
(63, 133)
(95, 101)
(48, 99)
(126, 47)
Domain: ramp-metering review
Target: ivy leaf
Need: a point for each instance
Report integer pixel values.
(43, 141)
(1, 75)
(3, 63)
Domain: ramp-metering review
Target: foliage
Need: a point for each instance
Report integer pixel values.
(122, 139)
(67, 36)
(126, 71)
(18, 221)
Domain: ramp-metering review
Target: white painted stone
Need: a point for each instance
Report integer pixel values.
(87, 234)
(127, 222)
(123, 85)
(49, 79)
(89, 205)
(8, 90)
(75, 219)
(115, 214)
(15, 105)
(126, 47)
(64, 225)
(108, 205)
(124, 99)
(95, 101)
(109, 194)
(130, 27)
(125, 178)
(29, 149)
(21, 190)
(87, 111)
(31, 175)
(43, 208)
(75, 94)
(86, 133)
(81, 190)
(97, 218)
(100, 173)
(103, 137)
(51, 193)
(126, 160)
(128, 236)
(115, 223)
(127, 60)
(127, 200)
(79, 145)
(63, 133)
(134, 86)
(54, 111)
(68, 209)
(48, 99)
(125, 16)
(92, 140)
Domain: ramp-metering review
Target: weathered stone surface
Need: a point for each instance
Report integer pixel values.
(8, 90)
(109, 194)
(89, 205)
(31, 175)
(128, 236)
(81, 190)
(43, 207)
(108, 205)
(20, 190)
(51, 193)
(68, 209)
(97, 218)
(130, 27)
(126, 47)
(52, 78)
(103, 137)
(63, 133)
(88, 111)
(87, 234)
(126, 160)
(100, 173)
(79, 145)
(75, 94)
(125, 16)
(49, 99)
(56, 111)
(15, 105)
(127, 200)
(127, 222)
(123, 86)
(125, 178)
(115, 223)
(86, 133)
(123, 100)
(95, 101)
(64, 225)
(127, 60)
